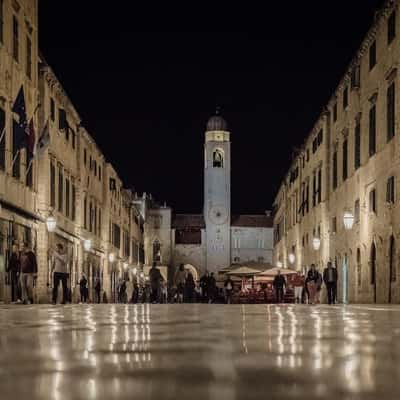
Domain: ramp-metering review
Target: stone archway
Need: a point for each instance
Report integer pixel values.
(190, 268)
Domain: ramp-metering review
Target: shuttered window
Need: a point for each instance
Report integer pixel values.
(390, 111)
(372, 130)
(345, 158)
(357, 146)
(2, 139)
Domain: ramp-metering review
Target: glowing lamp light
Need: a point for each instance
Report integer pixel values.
(125, 265)
(111, 257)
(316, 242)
(87, 244)
(348, 220)
(279, 264)
(51, 223)
(142, 275)
(134, 270)
(292, 258)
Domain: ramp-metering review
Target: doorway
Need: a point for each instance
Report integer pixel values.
(345, 280)
(373, 270)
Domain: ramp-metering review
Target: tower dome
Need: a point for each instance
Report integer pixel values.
(217, 123)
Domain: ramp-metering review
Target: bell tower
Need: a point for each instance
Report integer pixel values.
(217, 193)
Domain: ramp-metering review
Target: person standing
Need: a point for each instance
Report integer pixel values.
(212, 288)
(29, 269)
(135, 293)
(311, 283)
(189, 288)
(279, 284)
(122, 291)
(83, 288)
(330, 280)
(60, 271)
(14, 268)
(155, 283)
(228, 286)
(204, 287)
(97, 289)
(179, 281)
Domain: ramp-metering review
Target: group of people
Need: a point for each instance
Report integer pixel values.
(23, 272)
(307, 289)
(184, 288)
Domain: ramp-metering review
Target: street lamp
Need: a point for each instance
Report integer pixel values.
(292, 258)
(316, 242)
(87, 244)
(348, 220)
(111, 257)
(51, 223)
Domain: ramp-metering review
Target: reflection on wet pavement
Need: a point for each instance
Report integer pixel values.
(199, 352)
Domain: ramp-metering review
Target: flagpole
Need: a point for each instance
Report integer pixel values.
(29, 167)
(2, 134)
(15, 158)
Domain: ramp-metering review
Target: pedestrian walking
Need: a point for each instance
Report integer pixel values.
(298, 284)
(212, 288)
(83, 288)
(189, 288)
(97, 289)
(14, 269)
(164, 293)
(279, 284)
(28, 273)
(311, 283)
(155, 283)
(122, 291)
(179, 281)
(204, 287)
(330, 280)
(60, 273)
(135, 293)
(228, 287)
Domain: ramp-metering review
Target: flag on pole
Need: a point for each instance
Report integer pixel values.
(30, 140)
(21, 125)
(43, 141)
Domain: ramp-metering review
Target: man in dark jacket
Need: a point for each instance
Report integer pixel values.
(28, 273)
(14, 269)
(330, 280)
(279, 283)
(155, 283)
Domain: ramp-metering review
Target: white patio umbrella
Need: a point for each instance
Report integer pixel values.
(244, 271)
(274, 271)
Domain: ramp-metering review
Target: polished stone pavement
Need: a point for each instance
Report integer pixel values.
(199, 351)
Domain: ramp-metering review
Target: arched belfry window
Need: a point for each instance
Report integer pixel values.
(157, 251)
(218, 159)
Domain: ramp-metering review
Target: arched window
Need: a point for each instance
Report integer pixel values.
(218, 159)
(156, 251)
(392, 260)
(358, 259)
(373, 264)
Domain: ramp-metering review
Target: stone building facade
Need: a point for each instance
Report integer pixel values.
(18, 74)
(99, 222)
(349, 164)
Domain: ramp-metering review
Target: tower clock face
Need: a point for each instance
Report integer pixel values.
(218, 215)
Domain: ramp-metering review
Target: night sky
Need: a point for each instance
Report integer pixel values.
(145, 81)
